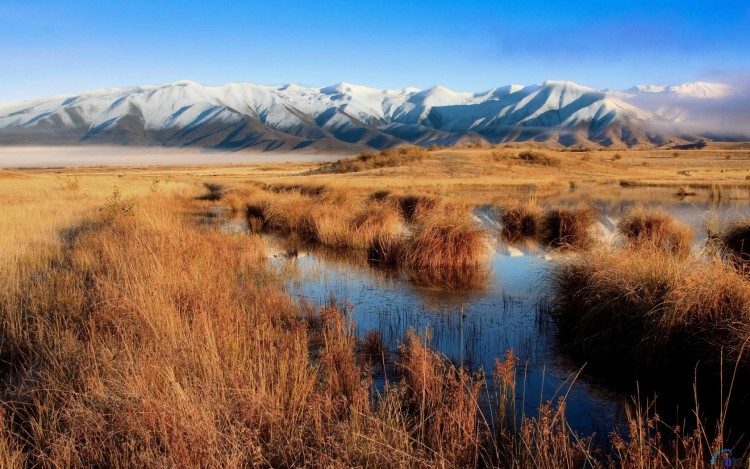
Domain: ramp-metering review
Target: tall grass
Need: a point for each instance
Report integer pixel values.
(652, 227)
(148, 341)
(421, 209)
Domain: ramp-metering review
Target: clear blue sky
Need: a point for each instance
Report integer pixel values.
(49, 47)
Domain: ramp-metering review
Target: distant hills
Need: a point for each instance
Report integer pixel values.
(350, 117)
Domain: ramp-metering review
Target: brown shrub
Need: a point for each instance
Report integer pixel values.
(370, 160)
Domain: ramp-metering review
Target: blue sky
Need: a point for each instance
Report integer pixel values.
(49, 47)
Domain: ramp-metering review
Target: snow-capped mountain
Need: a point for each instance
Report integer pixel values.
(342, 116)
(678, 103)
(698, 89)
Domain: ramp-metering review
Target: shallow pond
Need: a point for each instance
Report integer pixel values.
(473, 328)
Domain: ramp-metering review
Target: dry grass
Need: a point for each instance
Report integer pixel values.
(523, 220)
(377, 221)
(446, 245)
(139, 339)
(370, 160)
(651, 227)
(285, 212)
(736, 238)
(569, 226)
(421, 209)
(538, 157)
(652, 312)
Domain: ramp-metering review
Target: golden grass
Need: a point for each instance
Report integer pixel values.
(652, 227)
(736, 238)
(141, 339)
(446, 245)
(522, 220)
(651, 311)
(569, 226)
(377, 221)
(371, 160)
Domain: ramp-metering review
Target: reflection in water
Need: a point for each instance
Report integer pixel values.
(470, 327)
(476, 317)
(450, 279)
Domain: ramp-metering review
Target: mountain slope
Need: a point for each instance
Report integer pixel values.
(341, 116)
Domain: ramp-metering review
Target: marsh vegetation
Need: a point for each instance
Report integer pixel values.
(196, 317)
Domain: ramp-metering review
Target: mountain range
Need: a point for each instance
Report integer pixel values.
(350, 117)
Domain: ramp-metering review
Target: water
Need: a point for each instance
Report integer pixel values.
(473, 328)
(470, 328)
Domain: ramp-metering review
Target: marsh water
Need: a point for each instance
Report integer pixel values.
(473, 328)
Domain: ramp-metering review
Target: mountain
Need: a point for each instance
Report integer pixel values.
(681, 103)
(344, 116)
(698, 89)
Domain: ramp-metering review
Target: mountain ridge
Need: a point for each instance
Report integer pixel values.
(345, 116)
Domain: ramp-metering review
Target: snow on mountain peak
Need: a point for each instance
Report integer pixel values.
(242, 115)
(698, 89)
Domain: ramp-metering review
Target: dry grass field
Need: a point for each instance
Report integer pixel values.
(131, 335)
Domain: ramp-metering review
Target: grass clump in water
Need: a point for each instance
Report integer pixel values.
(736, 238)
(523, 220)
(654, 313)
(650, 227)
(446, 244)
(567, 226)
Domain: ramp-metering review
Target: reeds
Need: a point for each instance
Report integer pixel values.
(149, 342)
(453, 430)
(651, 227)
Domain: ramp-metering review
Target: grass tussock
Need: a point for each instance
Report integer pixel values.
(286, 212)
(651, 227)
(370, 160)
(421, 209)
(736, 238)
(453, 245)
(654, 313)
(375, 223)
(539, 158)
(569, 226)
(523, 220)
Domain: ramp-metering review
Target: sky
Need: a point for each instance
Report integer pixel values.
(53, 47)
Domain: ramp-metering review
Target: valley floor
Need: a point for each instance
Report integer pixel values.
(133, 336)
